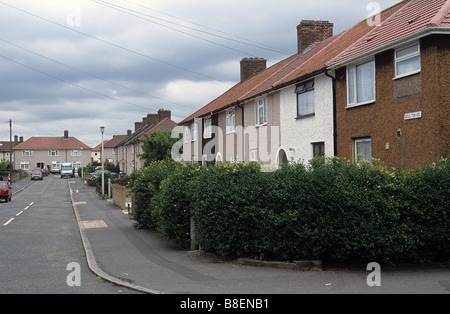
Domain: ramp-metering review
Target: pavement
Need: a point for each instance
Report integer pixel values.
(144, 261)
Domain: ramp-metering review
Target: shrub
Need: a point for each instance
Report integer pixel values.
(172, 205)
(145, 183)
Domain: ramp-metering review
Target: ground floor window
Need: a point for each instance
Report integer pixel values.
(363, 149)
(318, 149)
(24, 165)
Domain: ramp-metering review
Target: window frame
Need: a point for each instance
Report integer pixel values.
(321, 146)
(207, 130)
(53, 152)
(305, 89)
(407, 57)
(261, 104)
(230, 117)
(362, 140)
(27, 153)
(354, 86)
(194, 132)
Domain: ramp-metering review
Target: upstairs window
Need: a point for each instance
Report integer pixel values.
(361, 84)
(261, 111)
(231, 121)
(407, 61)
(193, 131)
(207, 132)
(305, 98)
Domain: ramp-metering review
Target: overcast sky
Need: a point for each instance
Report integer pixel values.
(77, 64)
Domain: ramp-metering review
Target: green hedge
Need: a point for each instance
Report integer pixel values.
(332, 210)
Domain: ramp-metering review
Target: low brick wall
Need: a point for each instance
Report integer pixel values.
(119, 195)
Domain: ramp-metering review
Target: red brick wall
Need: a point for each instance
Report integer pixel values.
(412, 143)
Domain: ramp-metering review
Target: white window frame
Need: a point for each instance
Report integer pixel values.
(305, 89)
(207, 130)
(231, 120)
(363, 140)
(193, 132)
(27, 153)
(261, 111)
(352, 84)
(24, 165)
(254, 155)
(406, 57)
(53, 152)
(75, 152)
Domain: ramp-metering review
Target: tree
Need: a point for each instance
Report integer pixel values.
(157, 146)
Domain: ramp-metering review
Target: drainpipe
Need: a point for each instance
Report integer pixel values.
(243, 134)
(334, 113)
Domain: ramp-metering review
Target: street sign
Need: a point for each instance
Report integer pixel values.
(413, 115)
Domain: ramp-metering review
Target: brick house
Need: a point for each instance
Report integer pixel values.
(393, 88)
(127, 148)
(50, 152)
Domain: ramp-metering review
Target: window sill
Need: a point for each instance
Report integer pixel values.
(405, 75)
(305, 116)
(259, 125)
(360, 104)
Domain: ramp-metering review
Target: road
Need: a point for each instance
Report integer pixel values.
(39, 238)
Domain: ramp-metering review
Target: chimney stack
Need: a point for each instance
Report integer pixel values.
(310, 32)
(66, 134)
(163, 114)
(252, 66)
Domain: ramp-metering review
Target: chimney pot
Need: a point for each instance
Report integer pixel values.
(66, 134)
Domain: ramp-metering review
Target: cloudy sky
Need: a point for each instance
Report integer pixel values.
(77, 64)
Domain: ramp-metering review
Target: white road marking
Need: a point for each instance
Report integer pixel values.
(8, 222)
(26, 208)
(18, 214)
(31, 204)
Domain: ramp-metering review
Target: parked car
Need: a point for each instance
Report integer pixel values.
(44, 172)
(37, 175)
(5, 191)
(99, 173)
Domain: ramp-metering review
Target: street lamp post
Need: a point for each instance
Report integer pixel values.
(102, 129)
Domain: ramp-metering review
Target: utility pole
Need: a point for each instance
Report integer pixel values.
(10, 152)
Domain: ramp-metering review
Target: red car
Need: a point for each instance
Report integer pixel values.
(5, 191)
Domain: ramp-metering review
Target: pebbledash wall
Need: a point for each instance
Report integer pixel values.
(397, 141)
(298, 135)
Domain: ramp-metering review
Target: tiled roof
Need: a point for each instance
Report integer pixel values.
(398, 21)
(164, 125)
(115, 141)
(233, 95)
(43, 143)
(413, 17)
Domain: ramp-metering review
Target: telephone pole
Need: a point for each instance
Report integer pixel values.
(10, 152)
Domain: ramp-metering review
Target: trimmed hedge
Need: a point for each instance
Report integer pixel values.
(332, 210)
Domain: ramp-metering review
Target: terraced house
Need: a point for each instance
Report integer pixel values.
(355, 93)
